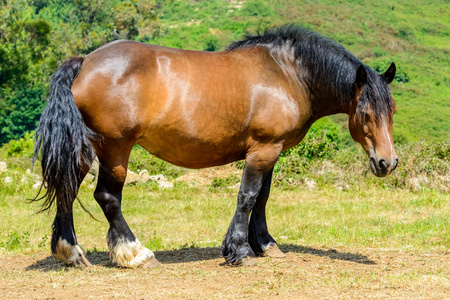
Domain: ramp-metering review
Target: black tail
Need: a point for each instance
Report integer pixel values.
(64, 139)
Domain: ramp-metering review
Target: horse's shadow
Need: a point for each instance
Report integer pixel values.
(331, 253)
(50, 263)
(186, 255)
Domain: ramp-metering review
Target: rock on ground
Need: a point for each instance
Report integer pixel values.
(3, 167)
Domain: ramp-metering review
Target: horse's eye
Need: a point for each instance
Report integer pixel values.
(366, 130)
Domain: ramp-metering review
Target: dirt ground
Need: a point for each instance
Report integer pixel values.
(194, 273)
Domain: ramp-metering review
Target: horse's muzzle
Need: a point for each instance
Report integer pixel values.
(381, 167)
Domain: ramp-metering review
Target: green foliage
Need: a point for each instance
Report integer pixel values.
(381, 65)
(257, 8)
(220, 183)
(211, 43)
(321, 142)
(16, 241)
(23, 147)
(428, 158)
(421, 166)
(43, 242)
(20, 110)
(36, 36)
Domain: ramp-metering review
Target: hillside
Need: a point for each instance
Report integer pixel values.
(37, 36)
(413, 35)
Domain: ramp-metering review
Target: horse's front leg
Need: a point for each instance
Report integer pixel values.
(235, 247)
(261, 242)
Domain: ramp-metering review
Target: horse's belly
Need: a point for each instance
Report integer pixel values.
(185, 150)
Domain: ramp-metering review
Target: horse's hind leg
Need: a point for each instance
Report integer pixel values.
(64, 242)
(259, 238)
(125, 248)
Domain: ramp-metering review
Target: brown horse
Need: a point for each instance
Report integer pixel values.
(196, 110)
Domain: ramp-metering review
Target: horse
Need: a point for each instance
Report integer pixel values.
(196, 109)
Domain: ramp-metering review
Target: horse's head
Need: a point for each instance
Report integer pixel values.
(371, 118)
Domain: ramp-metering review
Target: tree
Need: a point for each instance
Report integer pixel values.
(23, 44)
(36, 36)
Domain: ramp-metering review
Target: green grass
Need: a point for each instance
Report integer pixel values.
(353, 237)
(198, 216)
(374, 219)
(348, 206)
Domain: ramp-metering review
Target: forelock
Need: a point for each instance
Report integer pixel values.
(375, 93)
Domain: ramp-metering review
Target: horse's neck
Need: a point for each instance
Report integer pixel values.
(325, 98)
(323, 102)
(327, 104)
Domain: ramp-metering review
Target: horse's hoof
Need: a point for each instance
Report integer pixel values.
(81, 261)
(248, 262)
(152, 263)
(274, 251)
(131, 254)
(71, 255)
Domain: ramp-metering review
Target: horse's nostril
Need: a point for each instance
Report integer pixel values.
(395, 164)
(383, 166)
(373, 165)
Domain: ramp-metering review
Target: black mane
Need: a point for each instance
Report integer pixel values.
(328, 63)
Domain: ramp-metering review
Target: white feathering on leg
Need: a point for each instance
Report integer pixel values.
(66, 252)
(129, 254)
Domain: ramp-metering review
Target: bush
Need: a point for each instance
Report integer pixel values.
(21, 148)
(321, 141)
(421, 166)
(20, 111)
(382, 65)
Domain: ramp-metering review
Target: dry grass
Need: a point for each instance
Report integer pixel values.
(352, 244)
(306, 273)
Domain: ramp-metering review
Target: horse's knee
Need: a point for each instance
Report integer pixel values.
(246, 201)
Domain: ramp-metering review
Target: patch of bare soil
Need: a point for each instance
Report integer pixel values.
(195, 273)
(206, 176)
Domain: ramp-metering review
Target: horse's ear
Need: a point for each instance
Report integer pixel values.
(389, 75)
(361, 76)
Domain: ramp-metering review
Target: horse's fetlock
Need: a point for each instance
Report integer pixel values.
(235, 250)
